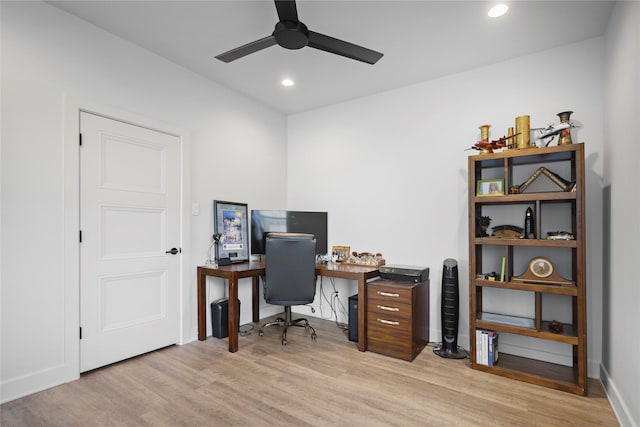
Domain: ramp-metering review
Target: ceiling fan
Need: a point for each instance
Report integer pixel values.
(290, 33)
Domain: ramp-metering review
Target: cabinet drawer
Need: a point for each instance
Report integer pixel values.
(391, 310)
(399, 294)
(401, 350)
(384, 326)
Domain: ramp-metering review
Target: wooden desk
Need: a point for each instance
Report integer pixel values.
(361, 273)
(233, 272)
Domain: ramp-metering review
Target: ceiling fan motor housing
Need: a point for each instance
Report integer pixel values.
(291, 35)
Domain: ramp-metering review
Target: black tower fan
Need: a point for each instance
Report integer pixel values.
(449, 309)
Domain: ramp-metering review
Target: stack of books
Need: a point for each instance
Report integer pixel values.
(486, 347)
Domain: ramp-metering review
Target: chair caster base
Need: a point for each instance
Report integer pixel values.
(286, 323)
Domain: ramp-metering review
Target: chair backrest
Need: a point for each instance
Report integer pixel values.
(290, 268)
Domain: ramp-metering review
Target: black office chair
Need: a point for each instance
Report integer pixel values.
(290, 277)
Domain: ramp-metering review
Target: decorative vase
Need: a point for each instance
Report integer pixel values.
(484, 137)
(523, 131)
(511, 142)
(565, 134)
(484, 132)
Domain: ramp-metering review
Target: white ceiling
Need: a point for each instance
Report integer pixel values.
(421, 40)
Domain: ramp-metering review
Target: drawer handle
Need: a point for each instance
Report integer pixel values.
(384, 307)
(388, 322)
(388, 294)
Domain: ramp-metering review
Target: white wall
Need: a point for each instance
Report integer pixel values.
(47, 56)
(380, 166)
(620, 370)
(391, 169)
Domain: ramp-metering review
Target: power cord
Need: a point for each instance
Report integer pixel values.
(333, 303)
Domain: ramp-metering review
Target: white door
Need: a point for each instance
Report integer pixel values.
(129, 219)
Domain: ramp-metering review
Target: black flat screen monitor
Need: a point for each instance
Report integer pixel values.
(265, 221)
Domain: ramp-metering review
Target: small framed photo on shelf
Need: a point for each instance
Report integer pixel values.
(340, 253)
(490, 187)
(230, 220)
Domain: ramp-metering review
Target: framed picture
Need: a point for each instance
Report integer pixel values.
(340, 253)
(490, 187)
(230, 220)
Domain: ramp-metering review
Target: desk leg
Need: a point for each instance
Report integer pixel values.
(233, 313)
(202, 305)
(255, 302)
(362, 314)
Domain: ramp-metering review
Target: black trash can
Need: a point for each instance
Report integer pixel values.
(220, 318)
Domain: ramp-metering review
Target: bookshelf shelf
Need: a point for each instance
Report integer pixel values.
(542, 373)
(530, 287)
(526, 242)
(567, 336)
(527, 198)
(557, 207)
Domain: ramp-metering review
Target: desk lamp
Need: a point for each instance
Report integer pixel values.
(215, 240)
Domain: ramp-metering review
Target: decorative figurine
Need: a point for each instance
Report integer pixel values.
(529, 227)
(545, 136)
(507, 232)
(365, 258)
(482, 226)
(562, 183)
(487, 147)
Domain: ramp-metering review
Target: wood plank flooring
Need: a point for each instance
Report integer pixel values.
(326, 382)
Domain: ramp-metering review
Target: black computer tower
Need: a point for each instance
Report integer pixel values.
(353, 318)
(220, 318)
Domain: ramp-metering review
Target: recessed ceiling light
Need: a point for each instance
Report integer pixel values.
(498, 10)
(287, 82)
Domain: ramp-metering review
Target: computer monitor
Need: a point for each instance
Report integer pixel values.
(265, 221)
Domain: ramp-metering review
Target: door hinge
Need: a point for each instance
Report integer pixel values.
(80, 236)
(80, 332)
(80, 138)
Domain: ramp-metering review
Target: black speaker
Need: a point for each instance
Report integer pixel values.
(353, 318)
(220, 317)
(449, 312)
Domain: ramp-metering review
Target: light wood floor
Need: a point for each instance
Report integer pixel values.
(327, 382)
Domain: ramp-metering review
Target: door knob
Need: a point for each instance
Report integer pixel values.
(173, 251)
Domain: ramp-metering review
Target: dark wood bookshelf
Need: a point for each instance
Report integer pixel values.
(573, 333)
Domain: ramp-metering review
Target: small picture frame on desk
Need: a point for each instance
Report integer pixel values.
(340, 253)
(230, 219)
(490, 187)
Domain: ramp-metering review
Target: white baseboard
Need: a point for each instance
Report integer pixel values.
(34, 382)
(620, 407)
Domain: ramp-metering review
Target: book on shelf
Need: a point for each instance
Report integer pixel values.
(479, 346)
(486, 347)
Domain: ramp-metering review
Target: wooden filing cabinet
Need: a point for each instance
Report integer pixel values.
(397, 318)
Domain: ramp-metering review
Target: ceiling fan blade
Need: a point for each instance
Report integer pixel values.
(341, 47)
(246, 49)
(287, 10)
